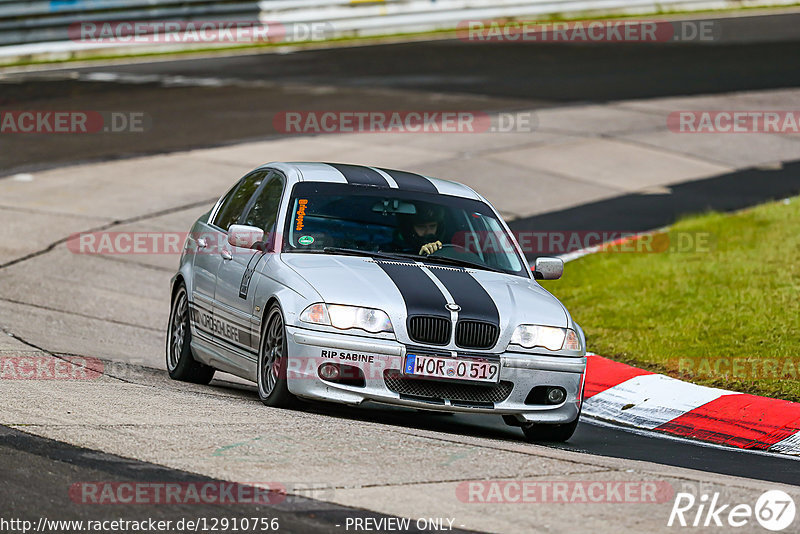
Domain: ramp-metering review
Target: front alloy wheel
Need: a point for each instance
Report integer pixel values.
(273, 361)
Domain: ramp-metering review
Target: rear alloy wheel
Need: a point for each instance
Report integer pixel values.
(273, 362)
(181, 364)
(538, 432)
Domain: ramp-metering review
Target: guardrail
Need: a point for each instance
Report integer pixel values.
(370, 18)
(38, 21)
(364, 17)
(43, 26)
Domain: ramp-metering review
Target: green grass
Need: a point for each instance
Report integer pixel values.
(726, 316)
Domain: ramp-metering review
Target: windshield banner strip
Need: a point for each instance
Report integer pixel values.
(475, 302)
(356, 174)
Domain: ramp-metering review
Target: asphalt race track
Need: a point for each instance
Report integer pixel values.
(43, 468)
(217, 103)
(192, 111)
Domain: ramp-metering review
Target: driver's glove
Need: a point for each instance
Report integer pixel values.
(430, 248)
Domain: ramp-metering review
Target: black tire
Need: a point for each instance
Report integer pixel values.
(273, 355)
(538, 432)
(181, 364)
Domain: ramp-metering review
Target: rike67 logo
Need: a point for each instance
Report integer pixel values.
(774, 510)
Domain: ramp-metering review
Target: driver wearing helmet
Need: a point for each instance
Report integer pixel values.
(422, 231)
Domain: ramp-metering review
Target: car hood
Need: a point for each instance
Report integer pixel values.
(403, 288)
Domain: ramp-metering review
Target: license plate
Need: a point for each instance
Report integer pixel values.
(437, 367)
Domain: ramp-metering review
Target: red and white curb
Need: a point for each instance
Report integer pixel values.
(575, 254)
(634, 397)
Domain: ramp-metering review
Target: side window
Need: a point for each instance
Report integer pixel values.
(264, 212)
(234, 202)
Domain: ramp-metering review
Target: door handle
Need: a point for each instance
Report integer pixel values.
(226, 254)
(202, 242)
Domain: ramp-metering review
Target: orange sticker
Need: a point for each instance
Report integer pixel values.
(301, 213)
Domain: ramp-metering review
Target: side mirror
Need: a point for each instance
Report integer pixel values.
(243, 236)
(548, 268)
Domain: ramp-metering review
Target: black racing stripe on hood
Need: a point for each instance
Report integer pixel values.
(411, 182)
(356, 174)
(420, 293)
(476, 304)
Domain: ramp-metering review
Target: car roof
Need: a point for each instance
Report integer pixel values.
(375, 176)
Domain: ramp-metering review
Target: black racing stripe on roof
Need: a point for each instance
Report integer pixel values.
(411, 181)
(476, 304)
(356, 174)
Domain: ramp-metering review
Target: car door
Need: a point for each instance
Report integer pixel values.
(234, 295)
(211, 242)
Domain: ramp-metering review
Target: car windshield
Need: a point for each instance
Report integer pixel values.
(350, 219)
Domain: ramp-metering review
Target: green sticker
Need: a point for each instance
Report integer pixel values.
(305, 240)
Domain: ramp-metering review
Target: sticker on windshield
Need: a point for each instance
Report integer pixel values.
(305, 240)
(301, 214)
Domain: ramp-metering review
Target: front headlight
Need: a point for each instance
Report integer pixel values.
(549, 337)
(347, 317)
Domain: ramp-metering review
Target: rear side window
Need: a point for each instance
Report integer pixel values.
(235, 201)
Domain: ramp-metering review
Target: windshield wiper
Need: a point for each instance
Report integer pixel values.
(357, 252)
(452, 261)
(415, 257)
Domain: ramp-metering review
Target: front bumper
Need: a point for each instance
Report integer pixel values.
(519, 373)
